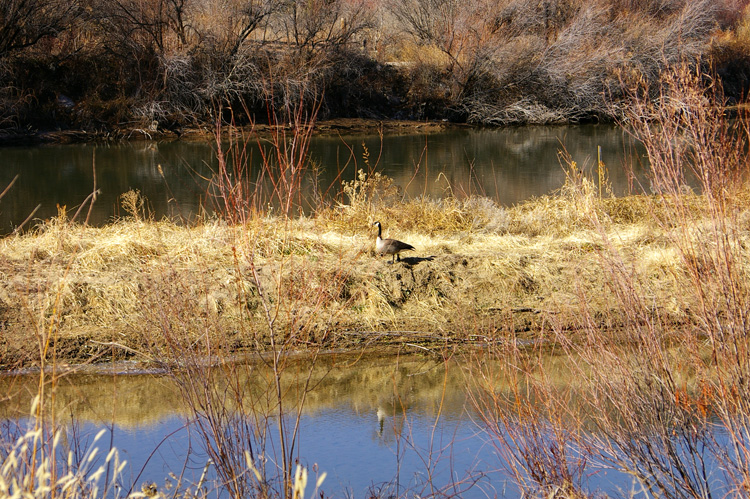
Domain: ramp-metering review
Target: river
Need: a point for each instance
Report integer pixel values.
(509, 165)
(377, 426)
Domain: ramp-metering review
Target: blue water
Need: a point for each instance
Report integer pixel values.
(406, 454)
(363, 453)
(379, 427)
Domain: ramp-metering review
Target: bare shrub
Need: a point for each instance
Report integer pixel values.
(697, 141)
(659, 396)
(170, 62)
(672, 388)
(24, 23)
(556, 61)
(731, 13)
(296, 42)
(156, 26)
(459, 32)
(658, 8)
(523, 412)
(322, 24)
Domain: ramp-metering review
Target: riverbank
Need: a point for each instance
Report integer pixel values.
(163, 71)
(144, 289)
(322, 127)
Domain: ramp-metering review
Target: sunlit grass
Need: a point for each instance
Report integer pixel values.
(474, 260)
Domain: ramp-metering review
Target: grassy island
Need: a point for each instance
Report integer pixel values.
(481, 273)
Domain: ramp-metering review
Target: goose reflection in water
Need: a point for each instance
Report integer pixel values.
(396, 415)
(381, 420)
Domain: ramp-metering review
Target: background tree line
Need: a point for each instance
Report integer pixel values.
(171, 64)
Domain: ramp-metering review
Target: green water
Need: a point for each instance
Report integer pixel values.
(509, 165)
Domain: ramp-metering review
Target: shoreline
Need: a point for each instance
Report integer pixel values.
(332, 126)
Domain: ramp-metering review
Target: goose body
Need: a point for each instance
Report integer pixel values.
(390, 246)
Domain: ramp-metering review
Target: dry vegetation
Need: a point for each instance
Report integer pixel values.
(480, 273)
(666, 402)
(167, 66)
(647, 296)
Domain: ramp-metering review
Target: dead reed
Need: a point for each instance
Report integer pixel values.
(661, 393)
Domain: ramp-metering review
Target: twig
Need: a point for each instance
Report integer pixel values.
(9, 186)
(18, 229)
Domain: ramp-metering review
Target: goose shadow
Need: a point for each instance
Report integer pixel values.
(416, 260)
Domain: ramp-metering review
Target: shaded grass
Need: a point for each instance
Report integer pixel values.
(480, 271)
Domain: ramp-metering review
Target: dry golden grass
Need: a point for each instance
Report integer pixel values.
(479, 271)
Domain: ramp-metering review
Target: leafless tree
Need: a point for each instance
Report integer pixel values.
(316, 25)
(146, 25)
(246, 18)
(23, 23)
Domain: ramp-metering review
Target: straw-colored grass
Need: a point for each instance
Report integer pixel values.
(479, 271)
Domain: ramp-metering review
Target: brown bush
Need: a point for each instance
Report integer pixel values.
(166, 64)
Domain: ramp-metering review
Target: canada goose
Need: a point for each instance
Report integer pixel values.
(390, 246)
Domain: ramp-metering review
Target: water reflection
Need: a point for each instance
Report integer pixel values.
(380, 426)
(509, 165)
(370, 425)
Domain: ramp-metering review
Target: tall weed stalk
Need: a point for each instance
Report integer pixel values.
(249, 423)
(238, 191)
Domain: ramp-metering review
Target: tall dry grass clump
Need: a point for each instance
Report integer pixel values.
(39, 465)
(661, 379)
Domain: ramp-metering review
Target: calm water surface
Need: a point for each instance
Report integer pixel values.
(381, 426)
(509, 165)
